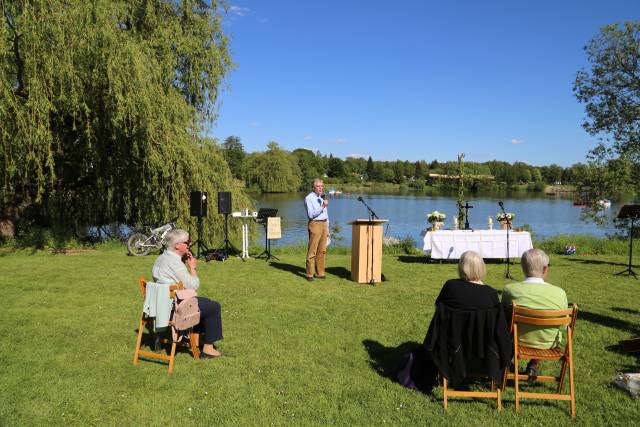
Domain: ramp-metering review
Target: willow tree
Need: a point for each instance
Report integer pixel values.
(102, 104)
(273, 171)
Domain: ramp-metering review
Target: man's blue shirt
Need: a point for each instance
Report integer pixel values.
(315, 211)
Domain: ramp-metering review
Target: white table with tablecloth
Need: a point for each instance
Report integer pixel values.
(450, 244)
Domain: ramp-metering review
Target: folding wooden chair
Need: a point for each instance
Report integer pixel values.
(448, 392)
(145, 321)
(520, 316)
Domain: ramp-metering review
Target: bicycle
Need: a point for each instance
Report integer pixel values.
(139, 244)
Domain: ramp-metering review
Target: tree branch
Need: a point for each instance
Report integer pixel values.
(20, 90)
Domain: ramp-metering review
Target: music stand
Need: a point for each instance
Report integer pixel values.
(263, 215)
(631, 212)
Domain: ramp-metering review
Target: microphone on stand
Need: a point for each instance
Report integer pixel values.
(359, 198)
(507, 259)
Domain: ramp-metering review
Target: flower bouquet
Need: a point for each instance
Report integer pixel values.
(436, 219)
(436, 216)
(506, 219)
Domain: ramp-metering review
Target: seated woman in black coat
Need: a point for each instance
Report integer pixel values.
(469, 291)
(468, 328)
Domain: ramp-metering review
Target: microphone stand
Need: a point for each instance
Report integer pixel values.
(507, 275)
(372, 215)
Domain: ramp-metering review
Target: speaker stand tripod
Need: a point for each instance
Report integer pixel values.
(632, 213)
(199, 244)
(226, 243)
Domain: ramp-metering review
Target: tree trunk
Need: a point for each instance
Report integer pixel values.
(10, 216)
(7, 228)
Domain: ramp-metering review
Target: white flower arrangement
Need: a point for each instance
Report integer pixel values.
(505, 216)
(436, 216)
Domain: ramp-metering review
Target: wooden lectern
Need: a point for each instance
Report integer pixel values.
(366, 250)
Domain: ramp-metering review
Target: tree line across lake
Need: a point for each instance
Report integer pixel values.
(279, 170)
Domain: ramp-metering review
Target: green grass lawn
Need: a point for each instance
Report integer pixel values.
(295, 353)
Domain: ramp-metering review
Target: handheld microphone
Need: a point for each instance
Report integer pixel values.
(501, 205)
(323, 196)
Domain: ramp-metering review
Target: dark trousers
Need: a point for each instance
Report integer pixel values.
(210, 320)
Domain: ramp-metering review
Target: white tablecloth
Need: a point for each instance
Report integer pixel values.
(450, 244)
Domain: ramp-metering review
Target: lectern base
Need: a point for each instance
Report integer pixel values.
(366, 251)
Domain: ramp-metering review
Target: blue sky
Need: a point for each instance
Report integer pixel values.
(413, 80)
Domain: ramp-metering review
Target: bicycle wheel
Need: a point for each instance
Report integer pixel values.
(136, 245)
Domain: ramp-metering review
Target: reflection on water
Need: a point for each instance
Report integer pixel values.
(407, 213)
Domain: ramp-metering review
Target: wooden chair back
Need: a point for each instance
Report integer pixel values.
(549, 318)
(145, 322)
(494, 393)
(529, 316)
(142, 282)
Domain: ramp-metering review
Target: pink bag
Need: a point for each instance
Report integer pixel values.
(186, 313)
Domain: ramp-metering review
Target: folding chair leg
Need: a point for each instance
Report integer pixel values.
(138, 341)
(516, 381)
(571, 388)
(172, 356)
(193, 342)
(444, 382)
(563, 371)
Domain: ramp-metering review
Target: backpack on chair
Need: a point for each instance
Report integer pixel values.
(186, 313)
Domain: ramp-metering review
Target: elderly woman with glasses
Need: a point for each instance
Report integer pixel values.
(177, 264)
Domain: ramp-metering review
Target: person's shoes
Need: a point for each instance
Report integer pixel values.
(532, 371)
(204, 355)
(320, 277)
(309, 278)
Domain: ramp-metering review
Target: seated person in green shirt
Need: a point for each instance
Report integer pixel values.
(534, 292)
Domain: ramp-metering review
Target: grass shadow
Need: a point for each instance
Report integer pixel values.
(294, 269)
(600, 262)
(414, 259)
(384, 360)
(625, 310)
(341, 272)
(609, 322)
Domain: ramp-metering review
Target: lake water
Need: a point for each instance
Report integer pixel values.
(407, 213)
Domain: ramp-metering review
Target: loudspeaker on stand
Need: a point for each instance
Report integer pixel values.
(224, 202)
(198, 203)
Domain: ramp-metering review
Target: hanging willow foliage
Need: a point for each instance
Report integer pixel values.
(274, 171)
(102, 104)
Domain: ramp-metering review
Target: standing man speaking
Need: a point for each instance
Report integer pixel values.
(316, 204)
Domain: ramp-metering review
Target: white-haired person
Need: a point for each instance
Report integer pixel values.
(468, 332)
(469, 292)
(534, 292)
(170, 268)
